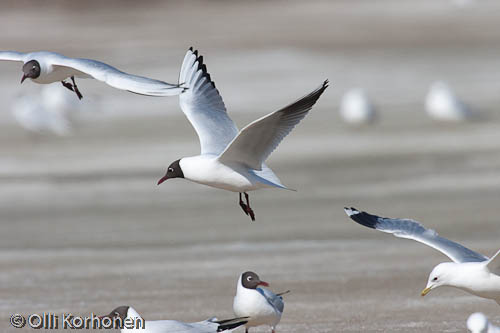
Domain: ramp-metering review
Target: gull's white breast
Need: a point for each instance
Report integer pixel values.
(251, 303)
(207, 170)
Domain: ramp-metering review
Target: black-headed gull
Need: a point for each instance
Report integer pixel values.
(356, 107)
(479, 323)
(442, 104)
(260, 305)
(47, 67)
(211, 325)
(469, 271)
(229, 159)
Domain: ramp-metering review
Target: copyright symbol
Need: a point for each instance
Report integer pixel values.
(17, 321)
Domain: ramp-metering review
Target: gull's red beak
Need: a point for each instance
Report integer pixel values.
(23, 78)
(162, 179)
(263, 283)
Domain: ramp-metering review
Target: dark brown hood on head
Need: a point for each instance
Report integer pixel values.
(251, 280)
(31, 70)
(174, 171)
(119, 312)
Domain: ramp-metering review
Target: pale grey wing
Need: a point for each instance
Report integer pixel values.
(411, 229)
(12, 56)
(118, 79)
(273, 299)
(258, 140)
(204, 107)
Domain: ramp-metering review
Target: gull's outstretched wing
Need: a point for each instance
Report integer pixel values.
(12, 56)
(259, 139)
(204, 107)
(114, 77)
(273, 299)
(411, 229)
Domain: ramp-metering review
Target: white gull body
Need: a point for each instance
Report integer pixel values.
(442, 104)
(469, 271)
(356, 108)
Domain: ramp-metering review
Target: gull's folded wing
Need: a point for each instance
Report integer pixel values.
(259, 139)
(411, 229)
(273, 299)
(203, 106)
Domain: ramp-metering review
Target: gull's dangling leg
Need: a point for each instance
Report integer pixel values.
(243, 206)
(246, 330)
(249, 210)
(80, 96)
(67, 85)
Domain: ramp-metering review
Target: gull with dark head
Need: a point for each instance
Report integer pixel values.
(469, 270)
(260, 305)
(230, 159)
(211, 325)
(45, 67)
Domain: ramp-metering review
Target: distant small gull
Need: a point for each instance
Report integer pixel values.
(442, 104)
(211, 325)
(45, 67)
(260, 305)
(469, 271)
(356, 107)
(479, 323)
(231, 160)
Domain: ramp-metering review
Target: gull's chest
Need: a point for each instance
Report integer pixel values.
(212, 173)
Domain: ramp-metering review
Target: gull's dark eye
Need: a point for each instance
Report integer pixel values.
(249, 278)
(435, 279)
(34, 67)
(170, 170)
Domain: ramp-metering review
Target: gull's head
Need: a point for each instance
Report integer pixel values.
(174, 171)
(31, 70)
(441, 275)
(119, 312)
(251, 280)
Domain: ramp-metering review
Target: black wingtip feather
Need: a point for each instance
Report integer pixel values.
(364, 218)
(203, 68)
(224, 327)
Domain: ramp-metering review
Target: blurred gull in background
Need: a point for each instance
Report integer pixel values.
(442, 104)
(356, 107)
(479, 323)
(50, 110)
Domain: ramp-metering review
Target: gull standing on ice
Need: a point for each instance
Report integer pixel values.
(47, 67)
(442, 104)
(479, 323)
(469, 271)
(260, 305)
(356, 107)
(229, 159)
(211, 325)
